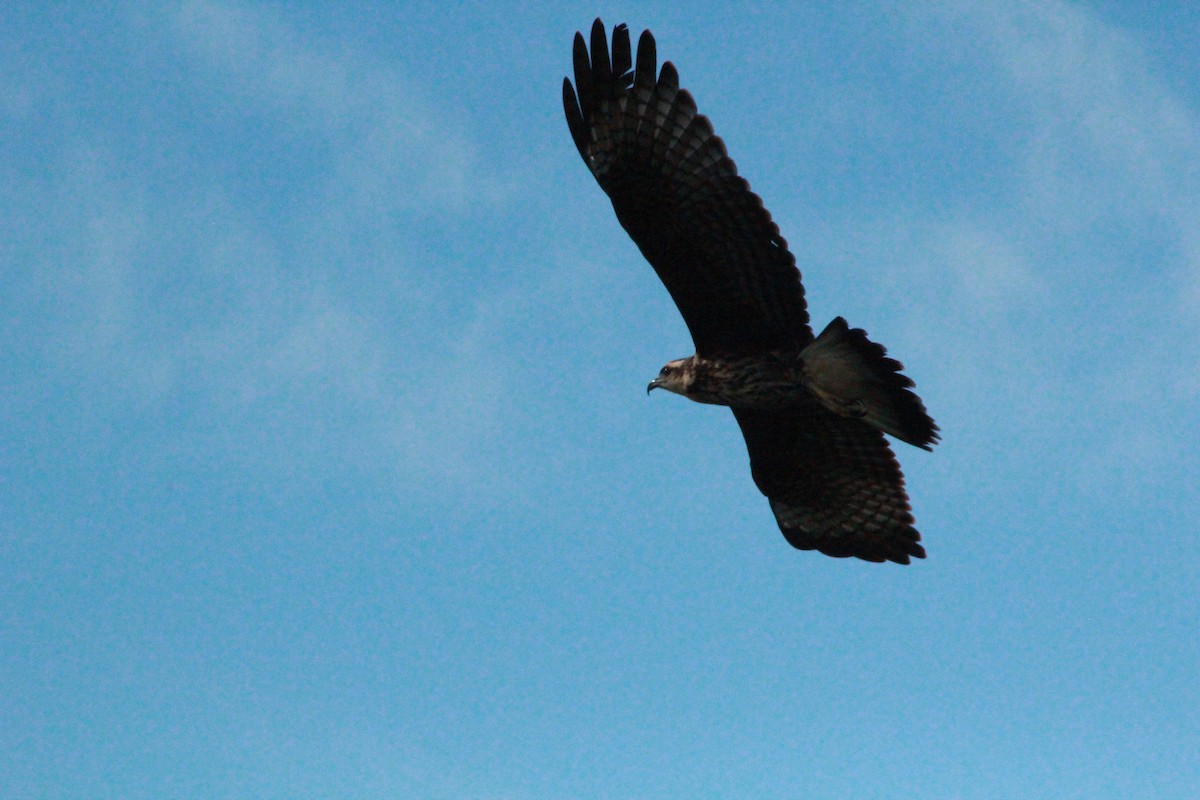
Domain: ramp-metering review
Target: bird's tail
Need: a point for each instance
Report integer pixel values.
(853, 377)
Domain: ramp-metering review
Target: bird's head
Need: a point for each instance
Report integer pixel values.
(675, 376)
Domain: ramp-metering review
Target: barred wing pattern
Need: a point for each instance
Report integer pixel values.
(833, 483)
(678, 195)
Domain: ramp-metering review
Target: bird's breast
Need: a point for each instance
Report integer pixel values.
(769, 382)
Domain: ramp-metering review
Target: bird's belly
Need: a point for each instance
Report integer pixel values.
(767, 395)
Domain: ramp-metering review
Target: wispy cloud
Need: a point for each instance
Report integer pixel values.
(191, 297)
(1060, 294)
(1074, 281)
(393, 146)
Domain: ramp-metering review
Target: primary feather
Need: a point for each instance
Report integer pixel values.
(678, 195)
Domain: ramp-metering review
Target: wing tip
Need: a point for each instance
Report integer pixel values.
(898, 547)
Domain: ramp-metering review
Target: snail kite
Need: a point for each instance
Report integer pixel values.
(813, 411)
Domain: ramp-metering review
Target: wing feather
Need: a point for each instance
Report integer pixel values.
(833, 483)
(583, 78)
(678, 195)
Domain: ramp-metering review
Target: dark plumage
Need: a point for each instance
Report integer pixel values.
(812, 410)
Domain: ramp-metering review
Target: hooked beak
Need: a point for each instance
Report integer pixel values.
(654, 384)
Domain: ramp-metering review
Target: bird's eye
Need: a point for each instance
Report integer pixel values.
(662, 373)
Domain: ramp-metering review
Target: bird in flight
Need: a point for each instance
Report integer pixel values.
(813, 411)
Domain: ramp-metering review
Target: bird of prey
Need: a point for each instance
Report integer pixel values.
(813, 411)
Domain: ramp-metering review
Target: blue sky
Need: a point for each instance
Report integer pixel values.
(328, 469)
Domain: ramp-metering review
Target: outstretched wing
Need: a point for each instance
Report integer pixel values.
(833, 483)
(678, 195)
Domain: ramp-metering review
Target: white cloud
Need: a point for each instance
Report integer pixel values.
(1061, 296)
(1101, 222)
(1113, 140)
(259, 332)
(393, 147)
(190, 298)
